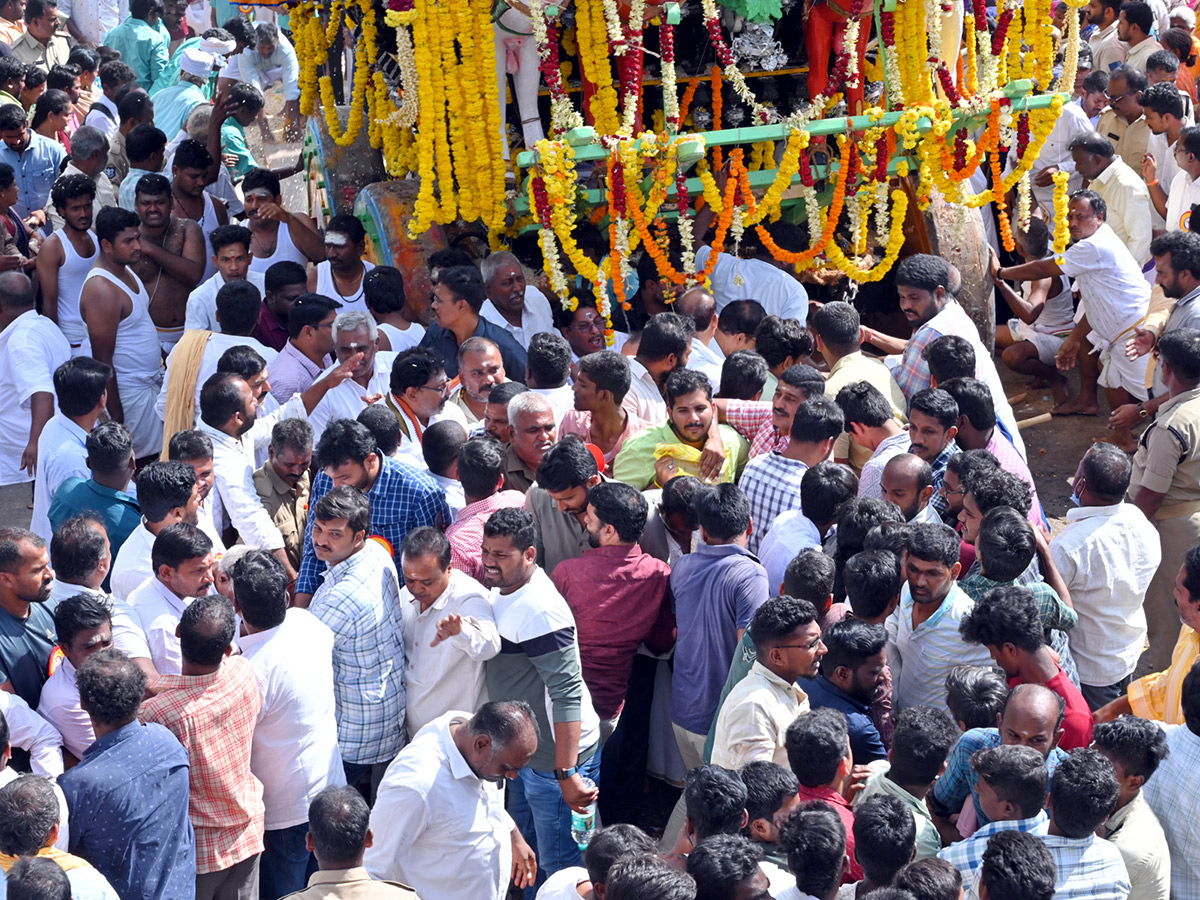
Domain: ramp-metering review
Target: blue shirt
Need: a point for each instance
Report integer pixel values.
(128, 799)
(865, 743)
(173, 105)
(143, 48)
(26, 647)
(36, 168)
(950, 791)
(119, 511)
(717, 590)
(402, 498)
(443, 342)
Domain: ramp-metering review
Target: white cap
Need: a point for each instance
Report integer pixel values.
(196, 62)
(1182, 12)
(217, 48)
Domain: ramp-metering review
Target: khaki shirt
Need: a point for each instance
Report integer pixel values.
(458, 399)
(1168, 455)
(33, 52)
(853, 368)
(351, 884)
(1130, 139)
(517, 475)
(118, 159)
(287, 507)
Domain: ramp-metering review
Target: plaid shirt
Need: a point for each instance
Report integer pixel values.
(360, 601)
(1174, 793)
(752, 420)
(913, 372)
(1088, 868)
(402, 498)
(1055, 614)
(213, 716)
(966, 856)
(958, 781)
(466, 534)
(938, 501)
(772, 486)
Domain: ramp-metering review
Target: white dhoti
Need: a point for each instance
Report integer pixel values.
(1116, 369)
(139, 392)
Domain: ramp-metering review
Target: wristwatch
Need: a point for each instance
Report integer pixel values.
(564, 774)
(1142, 411)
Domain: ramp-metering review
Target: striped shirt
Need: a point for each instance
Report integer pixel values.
(1173, 792)
(966, 856)
(360, 601)
(930, 650)
(1089, 868)
(1160, 695)
(870, 482)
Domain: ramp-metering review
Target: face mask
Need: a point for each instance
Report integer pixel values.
(1075, 499)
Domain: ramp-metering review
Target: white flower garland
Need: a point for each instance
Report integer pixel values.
(563, 115)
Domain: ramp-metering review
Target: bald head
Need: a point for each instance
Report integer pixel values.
(907, 481)
(700, 306)
(16, 292)
(1033, 717)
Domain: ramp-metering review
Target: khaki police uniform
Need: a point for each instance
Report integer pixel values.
(1168, 462)
(351, 884)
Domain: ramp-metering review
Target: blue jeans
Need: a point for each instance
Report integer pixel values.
(286, 862)
(536, 804)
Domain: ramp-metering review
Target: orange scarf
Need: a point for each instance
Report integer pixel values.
(65, 861)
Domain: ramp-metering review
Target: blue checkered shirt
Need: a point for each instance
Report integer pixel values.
(772, 486)
(402, 498)
(938, 501)
(359, 599)
(1088, 868)
(967, 855)
(958, 782)
(1174, 795)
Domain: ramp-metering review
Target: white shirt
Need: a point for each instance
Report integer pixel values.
(925, 655)
(402, 340)
(217, 344)
(62, 454)
(564, 884)
(32, 733)
(450, 675)
(704, 359)
(346, 400)
(561, 400)
(295, 750)
(95, 18)
(99, 120)
(234, 465)
(754, 718)
(1107, 556)
(1071, 122)
(438, 827)
(59, 705)
(451, 487)
(790, 533)
(870, 482)
(1115, 295)
(779, 293)
(31, 348)
(536, 318)
(202, 302)
(1128, 200)
(644, 399)
(132, 563)
(159, 610)
(127, 633)
(1183, 193)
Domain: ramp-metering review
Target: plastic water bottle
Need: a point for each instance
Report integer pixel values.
(583, 824)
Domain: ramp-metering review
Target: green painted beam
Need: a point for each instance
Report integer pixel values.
(587, 149)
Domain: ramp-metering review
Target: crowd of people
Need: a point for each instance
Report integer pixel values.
(319, 601)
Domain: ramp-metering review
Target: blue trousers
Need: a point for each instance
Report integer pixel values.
(286, 863)
(536, 804)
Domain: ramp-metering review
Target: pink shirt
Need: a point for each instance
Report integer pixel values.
(580, 424)
(466, 534)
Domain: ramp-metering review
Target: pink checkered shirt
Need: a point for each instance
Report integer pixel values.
(213, 716)
(466, 534)
(752, 419)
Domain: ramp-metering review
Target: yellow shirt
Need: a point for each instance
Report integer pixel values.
(1160, 696)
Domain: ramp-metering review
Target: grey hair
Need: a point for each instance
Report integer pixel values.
(197, 122)
(338, 819)
(267, 32)
(87, 141)
(527, 402)
(355, 320)
(294, 433)
(231, 556)
(29, 811)
(504, 721)
(491, 264)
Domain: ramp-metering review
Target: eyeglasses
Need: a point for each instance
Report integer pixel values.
(589, 324)
(1115, 100)
(812, 646)
(947, 491)
(438, 389)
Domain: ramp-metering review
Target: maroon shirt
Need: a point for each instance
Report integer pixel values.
(620, 597)
(269, 331)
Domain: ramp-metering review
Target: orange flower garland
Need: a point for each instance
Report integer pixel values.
(831, 218)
